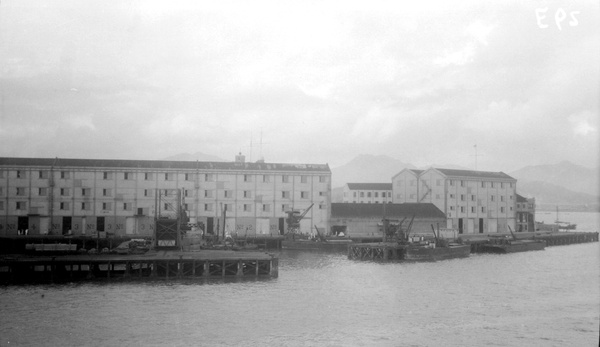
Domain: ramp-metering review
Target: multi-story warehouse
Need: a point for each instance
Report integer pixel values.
(86, 196)
(369, 193)
(473, 201)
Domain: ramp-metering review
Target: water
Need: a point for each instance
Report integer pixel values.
(544, 298)
(586, 221)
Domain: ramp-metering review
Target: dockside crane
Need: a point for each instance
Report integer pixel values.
(293, 219)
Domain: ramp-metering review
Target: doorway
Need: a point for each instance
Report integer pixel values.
(460, 225)
(481, 225)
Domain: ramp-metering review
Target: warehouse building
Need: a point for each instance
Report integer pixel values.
(473, 201)
(370, 193)
(363, 219)
(118, 197)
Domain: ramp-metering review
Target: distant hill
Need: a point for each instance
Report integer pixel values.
(198, 156)
(565, 174)
(548, 196)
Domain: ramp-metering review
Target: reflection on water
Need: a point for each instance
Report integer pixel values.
(548, 297)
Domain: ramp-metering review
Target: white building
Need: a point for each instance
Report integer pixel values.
(369, 193)
(85, 196)
(473, 201)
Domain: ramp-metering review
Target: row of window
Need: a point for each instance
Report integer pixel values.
(375, 194)
(462, 183)
(43, 191)
(169, 176)
(463, 197)
(463, 209)
(127, 206)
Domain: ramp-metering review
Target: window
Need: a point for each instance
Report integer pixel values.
(462, 197)
(472, 197)
(228, 207)
(21, 205)
(462, 209)
(247, 193)
(127, 206)
(106, 175)
(85, 206)
(185, 192)
(451, 182)
(167, 207)
(322, 193)
(482, 184)
(247, 208)
(43, 174)
(354, 194)
(451, 196)
(493, 198)
(462, 183)
(188, 177)
(147, 176)
(208, 177)
(64, 205)
(492, 184)
(482, 209)
(322, 206)
(451, 208)
(285, 207)
(186, 207)
(266, 208)
(285, 179)
(473, 209)
(147, 192)
(64, 192)
(501, 185)
(285, 194)
(107, 206)
(227, 194)
(377, 194)
(20, 191)
(323, 179)
(168, 176)
(85, 191)
(42, 191)
(266, 179)
(64, 175)
(362, 194)
(208, 194)
(208, 207)
(106, 192)
(127, 175)
(368, 194)
(303, 179)
(303, 195)
(20, 174)
(247, 178)
(166, 192)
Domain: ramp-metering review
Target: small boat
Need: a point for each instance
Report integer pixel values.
(432, 253)
(316, 244)
(564, 225)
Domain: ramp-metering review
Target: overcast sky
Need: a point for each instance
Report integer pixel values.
(323, 81)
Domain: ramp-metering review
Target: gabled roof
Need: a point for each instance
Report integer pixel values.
(412, 171)
(354, 210)
(474, 174)
(521, 198)
(160, 164)
(370, 186)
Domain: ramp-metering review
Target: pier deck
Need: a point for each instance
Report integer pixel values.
(160, 264)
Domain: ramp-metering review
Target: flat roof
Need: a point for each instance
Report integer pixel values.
(161, 164)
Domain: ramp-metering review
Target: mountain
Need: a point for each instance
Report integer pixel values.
(548, 196)
(198, 156)
(565, 174)
(368, 168)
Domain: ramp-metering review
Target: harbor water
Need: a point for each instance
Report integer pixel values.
(542, 298)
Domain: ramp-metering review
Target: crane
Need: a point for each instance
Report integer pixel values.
(293, 219)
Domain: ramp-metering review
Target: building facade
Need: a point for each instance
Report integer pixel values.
(361, 219)
(369, 193)
(81, 196)
(525, 213)
(473, 201)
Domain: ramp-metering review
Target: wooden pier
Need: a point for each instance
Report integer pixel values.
(479, 242)
(205, 264)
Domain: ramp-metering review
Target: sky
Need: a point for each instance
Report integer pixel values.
(492, 85)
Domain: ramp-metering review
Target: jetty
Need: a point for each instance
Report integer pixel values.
(480, 242)
(205, 264)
